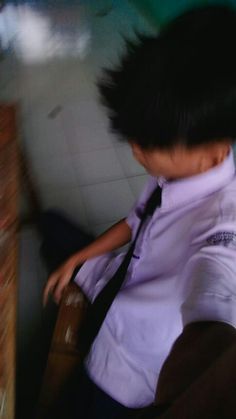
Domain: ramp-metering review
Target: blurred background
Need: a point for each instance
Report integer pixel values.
(51, 54)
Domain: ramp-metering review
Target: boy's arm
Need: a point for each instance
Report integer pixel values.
(196, 349)
(116, 236)
(208, 313)
(198, 375)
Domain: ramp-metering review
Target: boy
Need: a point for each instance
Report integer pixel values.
(174, 100)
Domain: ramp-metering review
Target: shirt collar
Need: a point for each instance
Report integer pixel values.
(182, 191)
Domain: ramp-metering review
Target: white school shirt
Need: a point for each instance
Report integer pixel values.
(183, 270)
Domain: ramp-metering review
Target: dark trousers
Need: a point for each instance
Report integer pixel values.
(90, 402)
(61, 238)
(82, 399)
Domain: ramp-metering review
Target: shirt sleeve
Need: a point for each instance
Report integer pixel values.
(211, 281)
(136, 211)
(91, 272)
(94, 269)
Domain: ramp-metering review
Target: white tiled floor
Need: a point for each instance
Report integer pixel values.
(79, 166)
(137, 184)
(85, 130)
(44, 137)
(108, 201)
(70, 201)
(97, 166)
(55, 171)
(129, 164)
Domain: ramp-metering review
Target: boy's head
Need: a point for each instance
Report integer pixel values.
(174, 96)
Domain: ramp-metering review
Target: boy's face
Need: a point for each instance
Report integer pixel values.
(180, 162)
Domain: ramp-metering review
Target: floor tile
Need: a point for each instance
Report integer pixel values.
(107, 202)
(97, 166)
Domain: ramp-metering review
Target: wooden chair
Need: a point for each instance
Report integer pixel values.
(63, 356)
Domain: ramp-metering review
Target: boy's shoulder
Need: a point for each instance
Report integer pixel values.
(215, 220)
(226, 198)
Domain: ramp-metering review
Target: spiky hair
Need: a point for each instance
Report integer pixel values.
(178, 86)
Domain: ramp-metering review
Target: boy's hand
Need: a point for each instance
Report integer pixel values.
(58, 281)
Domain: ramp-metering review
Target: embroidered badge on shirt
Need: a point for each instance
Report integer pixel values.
(223, 238)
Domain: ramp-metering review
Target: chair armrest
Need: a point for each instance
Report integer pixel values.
(70, 316)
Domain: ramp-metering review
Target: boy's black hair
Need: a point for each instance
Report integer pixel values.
(177, 87)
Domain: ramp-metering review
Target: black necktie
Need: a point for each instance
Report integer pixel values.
(98, 309)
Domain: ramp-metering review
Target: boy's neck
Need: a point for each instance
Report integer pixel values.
(181, 161)
(209, 165)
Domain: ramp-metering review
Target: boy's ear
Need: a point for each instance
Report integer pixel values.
(223, 150)
(218, 151)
